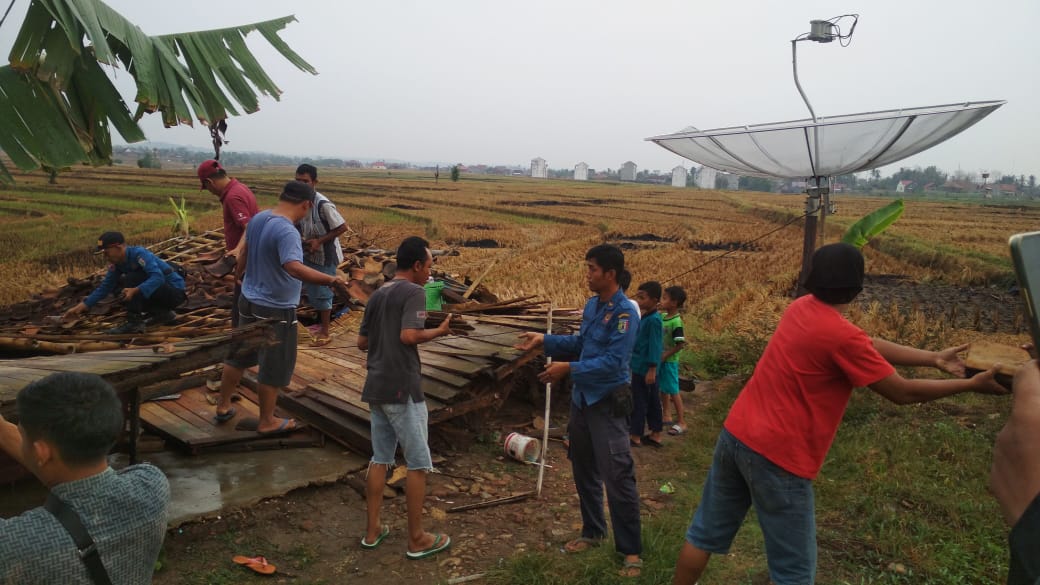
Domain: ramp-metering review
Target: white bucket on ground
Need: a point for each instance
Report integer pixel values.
(522, 447)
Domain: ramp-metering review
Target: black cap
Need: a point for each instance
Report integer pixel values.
(108, 239)
(297, 192)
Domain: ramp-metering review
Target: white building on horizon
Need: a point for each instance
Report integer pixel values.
(539, 170)
(706, 177)
(581, 172)
(679, 176)
(628, 171)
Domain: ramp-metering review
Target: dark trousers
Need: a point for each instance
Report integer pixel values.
(234, 304)
(646, 406)
(600, 457)
(164, 298)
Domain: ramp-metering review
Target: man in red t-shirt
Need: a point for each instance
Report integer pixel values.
(239, 205)
(781, 426)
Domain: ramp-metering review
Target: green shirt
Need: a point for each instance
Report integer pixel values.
(673, 335)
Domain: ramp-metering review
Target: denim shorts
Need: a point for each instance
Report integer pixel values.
(739, 478)
(404, 424)
(319, 296)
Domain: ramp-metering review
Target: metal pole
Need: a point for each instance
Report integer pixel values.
(545, 419)
(794, 65)
(812, 205)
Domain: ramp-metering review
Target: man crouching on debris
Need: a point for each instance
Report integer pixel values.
(394, 324)
(98, 525)
(779, 429)
(151, 287)
(600, 405)
(274, 270)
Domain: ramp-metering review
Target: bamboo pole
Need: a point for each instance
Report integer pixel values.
(545, 419)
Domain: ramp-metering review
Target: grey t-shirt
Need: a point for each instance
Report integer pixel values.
(393, 367)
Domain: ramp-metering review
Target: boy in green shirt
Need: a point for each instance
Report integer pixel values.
(668, 375)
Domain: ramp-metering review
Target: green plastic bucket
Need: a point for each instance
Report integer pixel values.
(433, 295)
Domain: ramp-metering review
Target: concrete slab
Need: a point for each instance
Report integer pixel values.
(207, 485)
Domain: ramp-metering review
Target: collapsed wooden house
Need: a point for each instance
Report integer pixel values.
(462, 373)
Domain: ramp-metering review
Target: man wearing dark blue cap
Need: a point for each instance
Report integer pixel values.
(150, 287)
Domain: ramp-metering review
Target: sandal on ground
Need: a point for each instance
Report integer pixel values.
(582, 544)
(379, 539)
(676, 430)
(652, 442)
(441, 542)
(223, 417)
(631, 568)
(256, 564)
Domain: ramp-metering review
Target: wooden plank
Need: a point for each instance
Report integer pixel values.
(446, 377)
(166, 424)
(450, 364)
(479, 346)
(438, 390)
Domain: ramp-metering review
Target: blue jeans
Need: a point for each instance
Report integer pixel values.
(404, 423)
(319, 296)
(739, 478)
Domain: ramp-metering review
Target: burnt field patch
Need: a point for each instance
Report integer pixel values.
(474, 243)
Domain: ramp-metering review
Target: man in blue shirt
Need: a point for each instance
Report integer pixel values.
(150, 287)
(274, 269)
(600, 404)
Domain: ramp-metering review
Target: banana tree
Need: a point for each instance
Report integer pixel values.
(873, 224)
(57, 102)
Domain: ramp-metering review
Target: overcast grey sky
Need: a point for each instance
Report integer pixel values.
(570, 81)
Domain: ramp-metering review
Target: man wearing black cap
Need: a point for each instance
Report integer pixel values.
(151, 287)
(781, 426)
(274, 269)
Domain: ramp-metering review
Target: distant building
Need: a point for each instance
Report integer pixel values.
(628, 171)
(679, 176)
(539, 170)
(379, 166)
(706, 177)
(905, 186)
(581, 172)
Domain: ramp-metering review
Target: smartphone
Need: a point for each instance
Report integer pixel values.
(1025, 254)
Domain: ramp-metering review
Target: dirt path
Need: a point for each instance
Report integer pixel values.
(313, 534)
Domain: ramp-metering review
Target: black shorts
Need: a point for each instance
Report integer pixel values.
(277, 361)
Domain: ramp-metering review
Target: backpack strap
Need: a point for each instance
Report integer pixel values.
(88, 552)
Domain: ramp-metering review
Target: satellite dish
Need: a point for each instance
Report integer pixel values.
(829, 146)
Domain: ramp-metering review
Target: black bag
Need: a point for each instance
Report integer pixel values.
(174, 267)
(621, 401)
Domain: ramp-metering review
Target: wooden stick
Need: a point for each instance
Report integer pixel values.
(489, 503)
(473, 287)
(548, 401)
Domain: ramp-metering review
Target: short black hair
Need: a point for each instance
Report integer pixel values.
(306, 169)
(651, 288)
(411, 250)
(677, 294)
(78, 413)
(624, 280)
(836, 274)
(297, 192)
(608, 258)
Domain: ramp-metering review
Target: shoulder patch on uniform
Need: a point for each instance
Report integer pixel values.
(142, 261)
(623, 315)
(622, 325)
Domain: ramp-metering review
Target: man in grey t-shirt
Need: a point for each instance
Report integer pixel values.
(393, 326)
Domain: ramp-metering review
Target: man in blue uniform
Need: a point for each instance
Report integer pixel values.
(600, 404)
(150, 287)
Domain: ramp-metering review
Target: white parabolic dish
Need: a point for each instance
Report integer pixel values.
(831, 146)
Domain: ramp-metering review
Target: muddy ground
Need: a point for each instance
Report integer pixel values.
(312, 535)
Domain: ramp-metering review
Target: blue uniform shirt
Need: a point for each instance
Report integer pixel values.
(604, 344)
(137, 259)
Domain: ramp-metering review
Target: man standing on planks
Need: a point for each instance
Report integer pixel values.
(600, 405)
(394, 324)
(273, 258)
(239, 206)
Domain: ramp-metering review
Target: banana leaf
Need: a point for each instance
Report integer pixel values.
(57, 102)
(873, 224)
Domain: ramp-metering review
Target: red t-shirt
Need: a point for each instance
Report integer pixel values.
(239, 207)
(790, 410)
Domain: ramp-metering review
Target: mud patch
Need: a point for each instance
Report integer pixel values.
(540, 203)
(477, 226)
(724, 246)
(406, 207)
(481, 243)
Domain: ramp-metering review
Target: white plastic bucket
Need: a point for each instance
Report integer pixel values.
(522, 447)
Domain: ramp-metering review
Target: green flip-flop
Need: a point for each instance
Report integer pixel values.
(440, 543)
(379, 539)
